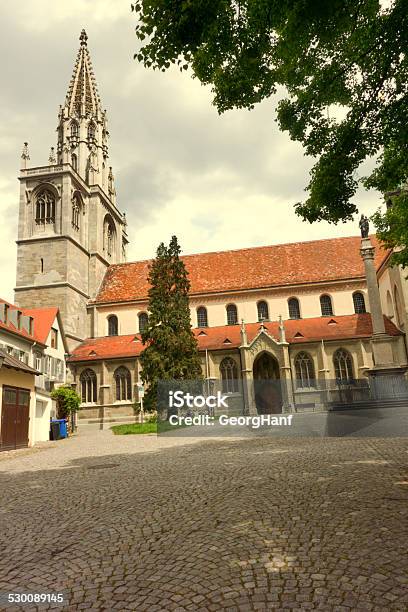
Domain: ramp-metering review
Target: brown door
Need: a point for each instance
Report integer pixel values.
(14, 418)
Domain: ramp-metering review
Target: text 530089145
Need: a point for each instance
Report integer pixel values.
(28, 598)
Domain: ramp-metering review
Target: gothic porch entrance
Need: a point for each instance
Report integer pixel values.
(267, 388)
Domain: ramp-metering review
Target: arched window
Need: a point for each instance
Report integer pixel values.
(263, 311)
(143, 321)
(91, 131)
(232, 314)
(74, 162)
(398, 308)
(390, 306)
(45, 208)
(74, 129)
(76, 210)
(343, 365)
(109, 236)
(359, 302)
(88, 386)
(112, 325)
(294, 308)
(202, 319)
(305, 375)
(326, 306)
(123, 384)
(229, 375)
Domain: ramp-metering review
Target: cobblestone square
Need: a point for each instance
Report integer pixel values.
(146, 524)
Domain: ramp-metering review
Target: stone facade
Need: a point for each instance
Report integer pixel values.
(70, 229)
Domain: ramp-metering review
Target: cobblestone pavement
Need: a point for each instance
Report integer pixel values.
(136, 523)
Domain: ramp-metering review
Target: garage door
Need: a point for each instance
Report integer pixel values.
(14, 418)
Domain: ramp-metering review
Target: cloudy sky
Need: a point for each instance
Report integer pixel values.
(216, 182)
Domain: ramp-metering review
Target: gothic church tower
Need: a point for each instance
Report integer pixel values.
(70, 229)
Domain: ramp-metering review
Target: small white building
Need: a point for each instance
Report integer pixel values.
(33, 338)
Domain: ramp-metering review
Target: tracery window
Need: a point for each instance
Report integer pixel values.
(112, 325)
(143, 321)
(74, 129)
(343, 365)
(123, 384)
(263, 311)
(359, 303)
(88, 386)
(91, 131)
(202, 318)
(232, 314)
(305, 374)
(229, 375)
(294, 308)
(326, 306)
(45, 208)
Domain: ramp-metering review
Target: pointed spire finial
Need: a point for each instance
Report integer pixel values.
(244, 337)
(25, 156)
(282, 333)
(52, 159)
(83, 38)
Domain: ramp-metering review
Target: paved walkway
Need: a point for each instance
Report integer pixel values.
(136, 523)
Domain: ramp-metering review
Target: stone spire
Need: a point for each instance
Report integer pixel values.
(82, 97)
(82, 127)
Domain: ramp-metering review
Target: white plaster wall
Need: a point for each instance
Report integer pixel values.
(246, 302)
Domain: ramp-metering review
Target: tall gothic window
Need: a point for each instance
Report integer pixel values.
(74, 162)
(88, 386)
(326, 306)
(74, 129)
(109, 236)
(91, 131)
(232, 314)
(76, 210)
(123, 384)
(229, 375)
(398, 306)
(263, 311)
(45, 208)
(294, 308)
(143, 321)
(305, 375)
(202, 318)
(359, 302)
(112, 325)
(343, 365)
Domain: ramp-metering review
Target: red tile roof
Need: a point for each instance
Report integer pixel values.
(228, 336)
(270, 266)
(43, 318)
(43, 321)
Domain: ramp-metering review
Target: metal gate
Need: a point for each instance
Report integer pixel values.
(14, 418)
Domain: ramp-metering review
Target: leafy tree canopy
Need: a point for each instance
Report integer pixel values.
(343, 64)
(171, 351)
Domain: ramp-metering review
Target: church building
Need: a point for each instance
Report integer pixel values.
(316, 317)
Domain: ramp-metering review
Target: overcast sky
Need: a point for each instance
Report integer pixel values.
(217, 182)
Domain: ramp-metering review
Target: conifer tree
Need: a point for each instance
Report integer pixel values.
(171, 351)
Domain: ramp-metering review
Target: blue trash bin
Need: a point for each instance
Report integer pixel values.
(62, 429)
